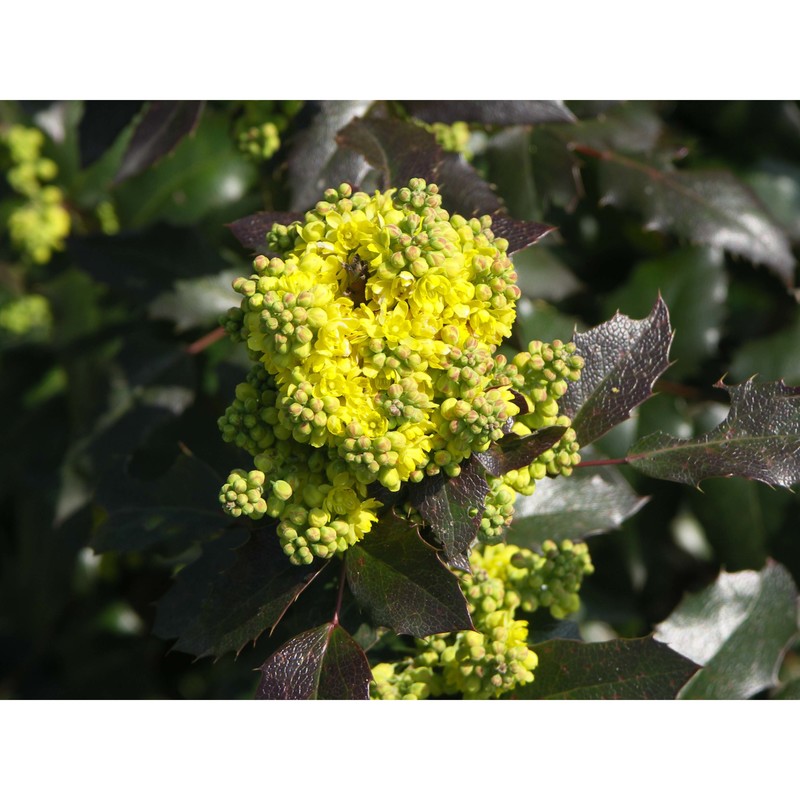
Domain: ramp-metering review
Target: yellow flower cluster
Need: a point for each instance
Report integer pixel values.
(494, 658)
(41, 224)
(377, 328)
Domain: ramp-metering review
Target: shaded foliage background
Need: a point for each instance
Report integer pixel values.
(111, 460)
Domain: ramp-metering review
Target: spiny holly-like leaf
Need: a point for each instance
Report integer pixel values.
(759, 440)
(252, 231)
(490, 112)
(712, 208)
(623, 669)
(400, 581)
(590, 501)
(321, 664)
(317, 162)
(239, 601)
(623, 359)
(158, 133)
(737, 629)
(453, 508)
(399, 150)
(515, 452)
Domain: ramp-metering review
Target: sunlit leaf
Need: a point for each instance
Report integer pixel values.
(321, 664)
(624, 357)
(759, 440)
(490, 112)
(737, 629)
(590, 501)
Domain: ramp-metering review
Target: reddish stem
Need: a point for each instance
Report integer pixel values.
(205, 341)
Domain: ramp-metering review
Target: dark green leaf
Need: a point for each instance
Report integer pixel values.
(490, 112)
(510, 167)
(556, 172)
(321, 664)
(537, 320)
(694, 285)
(158, 133)
(624, 357)
(399, 150)
(759, 440)
(400, 581)
(241, 600)
(590, 501)
(196, 302)
(515, 452)
(252, 231)
(737, 629)
(206, 172)
(710, 208)
(771, 357)
(317, 162)
(101, 124)
(169, 513)
(629, 127)
(623, 669)
(738, 516)
(453, 508)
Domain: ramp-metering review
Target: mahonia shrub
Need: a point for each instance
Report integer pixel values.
(375, 336)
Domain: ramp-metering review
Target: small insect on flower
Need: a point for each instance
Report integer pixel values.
(357, 272)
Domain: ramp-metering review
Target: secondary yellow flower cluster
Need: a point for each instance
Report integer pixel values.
(375, 336)
(494, 658)
(41, 224)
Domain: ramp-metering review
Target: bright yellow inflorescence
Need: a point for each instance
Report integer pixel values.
(375, 335)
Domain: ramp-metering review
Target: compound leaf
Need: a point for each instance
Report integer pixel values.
(622, 669)
(737, 629)
(515, 452)
(759, 440)
(324, 663)
(401, 582)
(624, 357)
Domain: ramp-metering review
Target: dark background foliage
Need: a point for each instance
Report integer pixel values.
(111, 460)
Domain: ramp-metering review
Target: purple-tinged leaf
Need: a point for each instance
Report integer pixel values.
(490, 112)
(158, 133)
(589, 502)
(738, 630)
(317, 161)
(758, 440)
(519, 233)
(624, 357)
(238, 602)
(464, 191)
(252, 231)
(623, 669)
(399, 150)
(324, 663)
(452, 508)
(515, 452)
(400, 581)
(706, 207)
